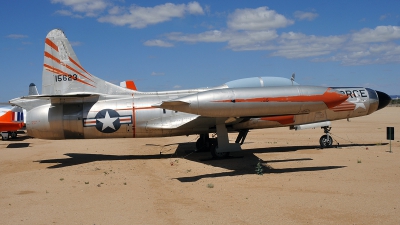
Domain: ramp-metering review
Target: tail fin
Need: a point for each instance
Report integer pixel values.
(63, 73)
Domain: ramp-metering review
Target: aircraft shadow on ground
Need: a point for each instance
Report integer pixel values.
(239, 163)
(243, 163)
(18, 145)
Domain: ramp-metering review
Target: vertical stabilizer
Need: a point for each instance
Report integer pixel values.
(63, 73)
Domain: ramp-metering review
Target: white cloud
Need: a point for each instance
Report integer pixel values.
(116, 10)
(383, 17)
(248, 29)
(379, 34)
(134, 16)
(252, 40)
(177, 86)
(67, 13)
(16, 36)
(90, 8)
(195, 8)
(208, 36)
(298, 45)
(366, 54)
(257, 19)
(140, 17)
(157, 74)
(305, 15)
(158, 43)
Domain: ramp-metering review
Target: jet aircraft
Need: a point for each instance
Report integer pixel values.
(11, 120)
(75, 104)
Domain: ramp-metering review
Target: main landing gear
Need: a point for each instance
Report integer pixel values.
(326, 140)
(220, 147)
(7, 135)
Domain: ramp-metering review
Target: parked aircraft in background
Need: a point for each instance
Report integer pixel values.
(76, 104)
(11, 120)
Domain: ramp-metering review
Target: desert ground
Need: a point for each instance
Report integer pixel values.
(162, 181)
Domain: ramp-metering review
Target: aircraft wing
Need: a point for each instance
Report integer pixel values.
(31, 101)
(171, 123)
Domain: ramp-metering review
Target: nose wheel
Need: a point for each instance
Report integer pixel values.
(326, 140)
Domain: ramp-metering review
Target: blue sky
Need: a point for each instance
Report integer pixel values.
(166, 45)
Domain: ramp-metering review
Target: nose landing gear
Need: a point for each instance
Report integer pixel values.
(326, 140)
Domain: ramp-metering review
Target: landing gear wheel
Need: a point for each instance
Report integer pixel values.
(201, 145)
(13, 134)
(214, 153)
(325, 141)
(4, 137)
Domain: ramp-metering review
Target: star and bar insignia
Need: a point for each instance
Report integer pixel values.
(107, 121)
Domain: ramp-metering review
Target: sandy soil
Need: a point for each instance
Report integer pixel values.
(161, 181)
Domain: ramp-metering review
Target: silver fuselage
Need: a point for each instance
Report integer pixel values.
(71, 118)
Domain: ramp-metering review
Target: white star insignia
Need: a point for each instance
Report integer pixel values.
(107, 121)
(359, 104)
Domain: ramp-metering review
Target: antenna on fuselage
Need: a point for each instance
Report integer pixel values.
(292, 78)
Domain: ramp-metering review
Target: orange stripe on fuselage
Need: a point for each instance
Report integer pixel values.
(149, 107)
(51, 44)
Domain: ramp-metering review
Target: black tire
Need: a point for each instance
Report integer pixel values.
(13, 134)
(202, 145)
(4, 138)
(326, 142)
(214, 153)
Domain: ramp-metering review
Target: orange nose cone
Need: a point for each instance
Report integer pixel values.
(333, 98)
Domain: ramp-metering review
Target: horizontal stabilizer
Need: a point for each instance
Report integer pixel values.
(69, 95)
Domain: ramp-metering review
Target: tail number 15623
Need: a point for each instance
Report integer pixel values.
(69, 77)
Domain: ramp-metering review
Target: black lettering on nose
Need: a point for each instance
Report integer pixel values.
(363, 93)
(349, 94)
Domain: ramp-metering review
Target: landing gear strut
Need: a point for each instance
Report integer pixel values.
(220, 147)
(326, 140)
